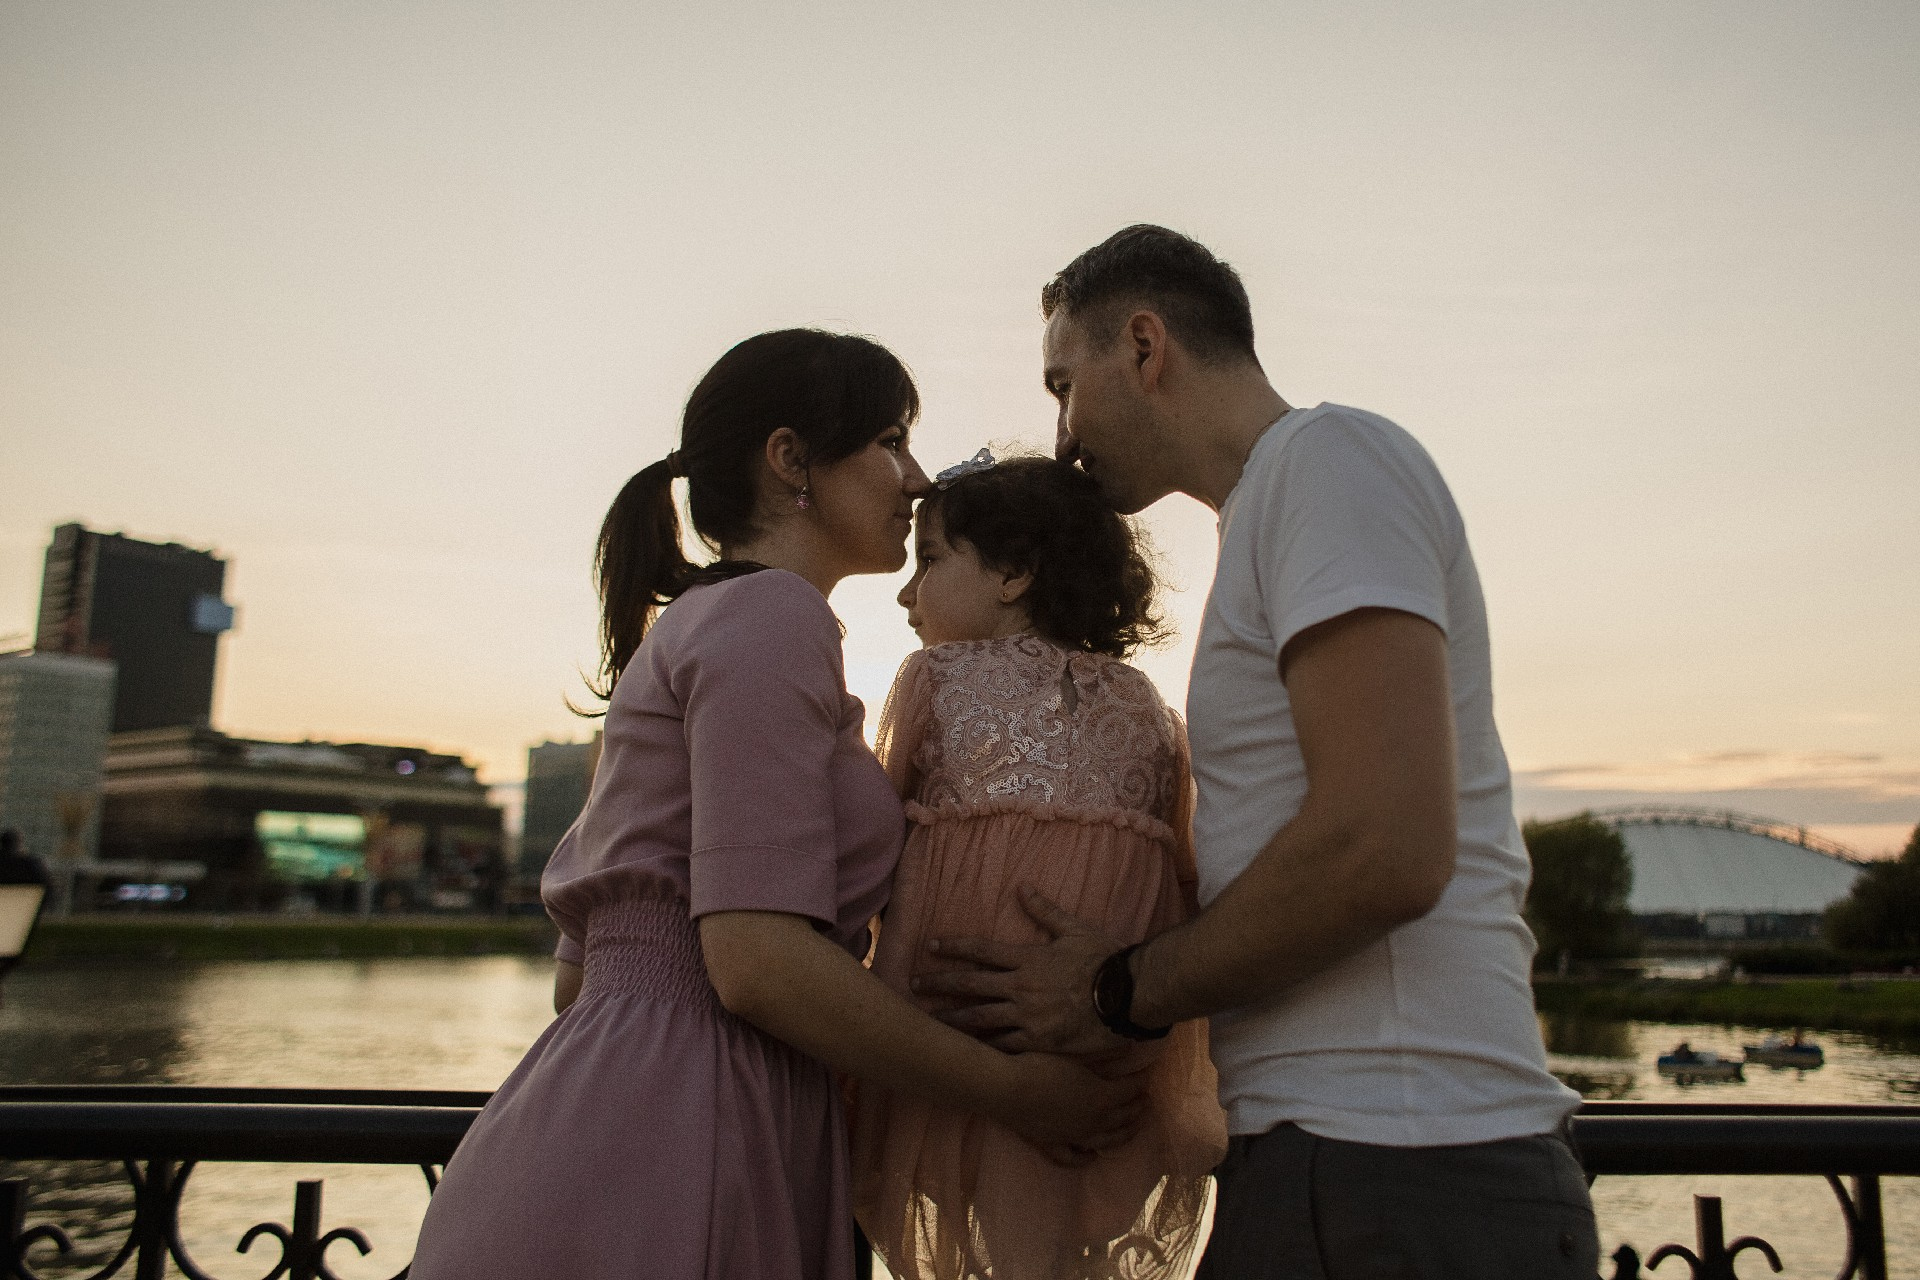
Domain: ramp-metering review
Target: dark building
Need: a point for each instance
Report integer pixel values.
(250, 825)
(154, 609)
(559, 776)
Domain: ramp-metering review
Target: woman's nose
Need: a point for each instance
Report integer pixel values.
(913, 481)
(905, 598)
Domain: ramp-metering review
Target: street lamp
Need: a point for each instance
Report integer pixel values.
(23, 888)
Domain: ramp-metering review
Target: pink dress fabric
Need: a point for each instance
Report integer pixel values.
(1027, 764)
(648, 1132)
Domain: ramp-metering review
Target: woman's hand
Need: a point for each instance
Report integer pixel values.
(779, 973)
(1067, 1111)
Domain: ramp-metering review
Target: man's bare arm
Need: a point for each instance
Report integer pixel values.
(1372, 847)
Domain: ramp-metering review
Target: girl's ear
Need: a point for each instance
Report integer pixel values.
(1015, 586)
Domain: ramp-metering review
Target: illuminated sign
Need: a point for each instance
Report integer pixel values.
(305, 847)
(149, 893)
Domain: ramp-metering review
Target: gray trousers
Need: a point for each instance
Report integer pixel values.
(1296, 1207)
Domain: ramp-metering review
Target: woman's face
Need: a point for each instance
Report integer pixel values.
(953, 596)
(864, 503)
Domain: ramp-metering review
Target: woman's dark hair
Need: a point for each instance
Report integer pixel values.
(837, 391)
(1093, 584)
(1198, 297)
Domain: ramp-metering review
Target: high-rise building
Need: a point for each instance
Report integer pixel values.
(559, 776)
(54, 709)
(154, 609)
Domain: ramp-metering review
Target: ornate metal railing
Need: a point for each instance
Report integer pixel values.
(1856, 1144)
(160, 1134)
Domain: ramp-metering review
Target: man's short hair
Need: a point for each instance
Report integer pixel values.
(1197, 296)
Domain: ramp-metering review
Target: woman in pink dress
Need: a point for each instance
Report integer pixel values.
(1032, 757)
(681, 1118)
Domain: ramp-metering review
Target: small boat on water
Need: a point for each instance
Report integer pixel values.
(1780, 1051)
(1687, 1065)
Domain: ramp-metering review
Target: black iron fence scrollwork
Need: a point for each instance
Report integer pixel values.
(160, 1134)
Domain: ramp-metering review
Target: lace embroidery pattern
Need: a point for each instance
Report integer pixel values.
(1001, 735)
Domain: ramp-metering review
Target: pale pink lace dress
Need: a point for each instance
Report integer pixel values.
(1026, 764)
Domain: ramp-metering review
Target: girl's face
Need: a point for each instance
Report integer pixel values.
(953, 596)
(865, 503)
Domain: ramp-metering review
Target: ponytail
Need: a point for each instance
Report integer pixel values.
(638, 567)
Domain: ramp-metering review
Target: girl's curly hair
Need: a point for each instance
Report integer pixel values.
(1094, 587)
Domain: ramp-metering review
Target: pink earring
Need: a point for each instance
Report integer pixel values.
(802, 500)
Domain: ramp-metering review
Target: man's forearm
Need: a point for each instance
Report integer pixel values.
(1320, 891)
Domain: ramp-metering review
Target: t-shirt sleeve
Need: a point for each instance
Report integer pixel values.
(762, 692)
(1359, 519)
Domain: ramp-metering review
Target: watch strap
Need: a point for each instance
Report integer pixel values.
(1113, 997)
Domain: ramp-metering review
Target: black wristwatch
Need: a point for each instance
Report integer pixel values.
(1113, 997)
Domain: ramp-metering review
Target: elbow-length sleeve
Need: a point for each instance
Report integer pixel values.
(903, 723)
(763, 696)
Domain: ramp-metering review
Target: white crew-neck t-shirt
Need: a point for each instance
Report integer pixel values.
(1427, 1037)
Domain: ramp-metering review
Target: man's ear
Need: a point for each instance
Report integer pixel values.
(1014, 586)
(1146, 338)
(786, 455)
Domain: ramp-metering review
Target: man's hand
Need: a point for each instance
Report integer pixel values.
(1028, 997)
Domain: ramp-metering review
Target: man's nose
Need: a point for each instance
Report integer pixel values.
(1065, 447)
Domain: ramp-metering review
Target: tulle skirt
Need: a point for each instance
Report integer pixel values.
(948, 1195)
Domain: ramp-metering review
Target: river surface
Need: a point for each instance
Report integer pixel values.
(463, 1023)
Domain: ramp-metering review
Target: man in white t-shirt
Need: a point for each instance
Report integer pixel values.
(1360, 950)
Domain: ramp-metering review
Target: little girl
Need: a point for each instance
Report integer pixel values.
(1028, 753)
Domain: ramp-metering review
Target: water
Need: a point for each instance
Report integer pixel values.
(463, 1023)
(1798, 1216)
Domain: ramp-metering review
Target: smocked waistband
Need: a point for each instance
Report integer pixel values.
(646, 947)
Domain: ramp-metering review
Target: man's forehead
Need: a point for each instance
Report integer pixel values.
(1057, 344)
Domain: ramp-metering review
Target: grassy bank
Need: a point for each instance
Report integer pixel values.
(1880, 1008)
(262, 938)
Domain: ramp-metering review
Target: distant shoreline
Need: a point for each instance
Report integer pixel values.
(1889, 1008)
(1876, 1007)
(196, 938)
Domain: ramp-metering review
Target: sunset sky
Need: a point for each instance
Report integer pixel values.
(383, 302)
